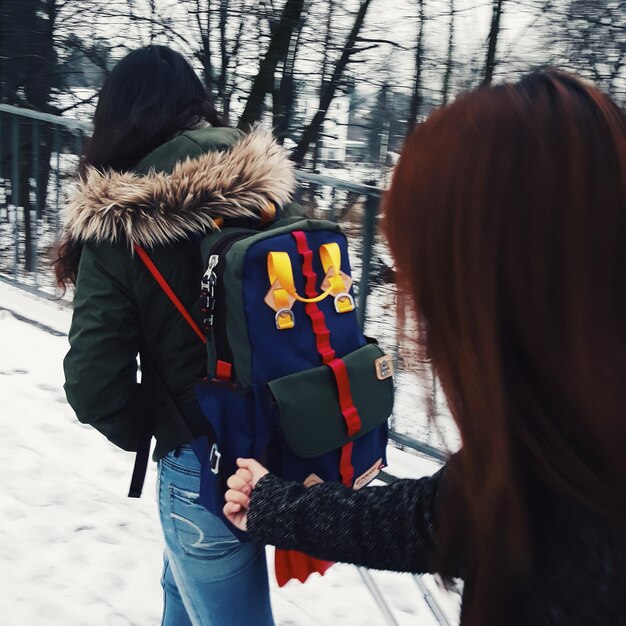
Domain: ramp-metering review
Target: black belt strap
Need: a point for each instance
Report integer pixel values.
(140, 468)
(150, 377)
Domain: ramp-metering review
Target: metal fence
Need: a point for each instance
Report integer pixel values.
(39, 156)
(38, 159)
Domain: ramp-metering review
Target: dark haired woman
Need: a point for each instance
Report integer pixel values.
(507, 219)
(159, 171)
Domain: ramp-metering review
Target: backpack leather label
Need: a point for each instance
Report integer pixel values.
(368, 475)
(384, 367)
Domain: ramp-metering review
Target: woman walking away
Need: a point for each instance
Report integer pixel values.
(507, 220)
(160, 172)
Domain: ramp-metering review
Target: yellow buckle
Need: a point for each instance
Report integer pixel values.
(344, 303)
(285, 319)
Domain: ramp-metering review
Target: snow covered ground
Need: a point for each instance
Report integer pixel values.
(74, 551)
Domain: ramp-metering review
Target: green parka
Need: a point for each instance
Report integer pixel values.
(165, 205)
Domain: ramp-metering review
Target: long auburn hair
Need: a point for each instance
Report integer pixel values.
(507, 220)
(149, 96)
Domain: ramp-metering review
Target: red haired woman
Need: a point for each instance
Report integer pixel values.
(507, 220)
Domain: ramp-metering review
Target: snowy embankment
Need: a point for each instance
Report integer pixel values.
(74, 551)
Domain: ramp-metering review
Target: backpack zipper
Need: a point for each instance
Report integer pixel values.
(215, 298)
(207, 298)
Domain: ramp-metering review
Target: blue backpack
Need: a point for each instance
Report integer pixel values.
(291, 379)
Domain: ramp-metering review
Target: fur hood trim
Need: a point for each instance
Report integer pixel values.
(161, 208)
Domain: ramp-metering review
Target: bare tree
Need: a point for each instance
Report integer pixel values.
(445, 91)
(416, 97)
(594, 38)
(312, 131)
(284, 96)
(492, 45)
(29, 72)
(277, 52)
(325, 67)
(202, 16)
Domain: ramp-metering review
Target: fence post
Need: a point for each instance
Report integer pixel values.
(57, 216)
(35, 227)
(378, 596)
(36, 157)
(78, 146)
(1, 145)
(369, 230)
(434, 607)
(15, 189)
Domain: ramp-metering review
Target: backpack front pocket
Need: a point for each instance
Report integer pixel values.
(324, 408)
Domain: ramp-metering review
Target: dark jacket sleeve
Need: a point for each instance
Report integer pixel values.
(392, 527)
(101, 365)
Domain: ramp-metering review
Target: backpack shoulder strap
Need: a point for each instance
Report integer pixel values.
(143, 451)
(151, 377)
(154, 270)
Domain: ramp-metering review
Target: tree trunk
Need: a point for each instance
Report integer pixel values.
(204, 54)
(327, 41)
(45, 153)
(277, 52)
(416, 97)
(152, 20)
(221, 81)
(494, 31)
(384, 132)
(24, 183)
(312, 131)
(448, 75)
(27, 53)
(284, 96)
(230, 80)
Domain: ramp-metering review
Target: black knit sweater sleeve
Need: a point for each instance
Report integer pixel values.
(392, 527)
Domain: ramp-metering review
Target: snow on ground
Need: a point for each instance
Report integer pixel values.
(75, 551)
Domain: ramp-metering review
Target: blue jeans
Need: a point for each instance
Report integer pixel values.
(210, 578)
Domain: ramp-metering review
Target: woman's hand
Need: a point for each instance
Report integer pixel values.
(240, 489)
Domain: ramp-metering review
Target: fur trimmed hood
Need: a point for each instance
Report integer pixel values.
(161, 208)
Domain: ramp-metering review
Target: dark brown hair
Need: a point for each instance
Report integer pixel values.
(507, 220)
(149, 96)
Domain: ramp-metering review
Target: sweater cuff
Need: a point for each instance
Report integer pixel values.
(262, 509)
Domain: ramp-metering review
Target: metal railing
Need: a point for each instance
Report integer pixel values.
(39, 155)
(34, 152)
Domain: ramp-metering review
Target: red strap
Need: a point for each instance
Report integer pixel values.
(290, 564)
(345, 465)
(326, 351)
(320, 330)
(348, 410)
(322, 334)
(223, 370)
(168, 291)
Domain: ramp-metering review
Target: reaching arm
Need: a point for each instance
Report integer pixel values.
(392, 527)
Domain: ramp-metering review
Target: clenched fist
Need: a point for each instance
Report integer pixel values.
(240, 486)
